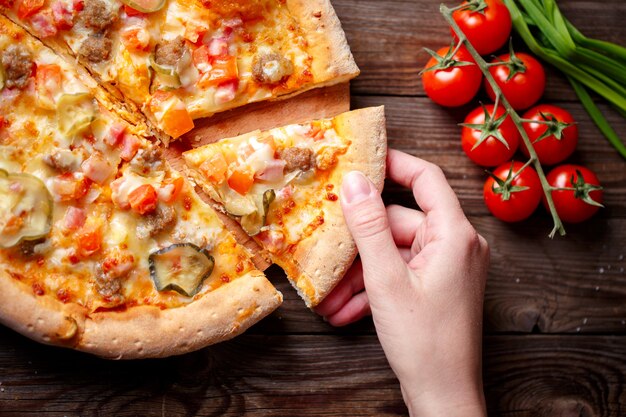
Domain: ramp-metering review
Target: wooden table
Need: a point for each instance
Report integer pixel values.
(555, 310)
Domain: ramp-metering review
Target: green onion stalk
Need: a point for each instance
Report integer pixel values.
(517, 120)
(588, 64)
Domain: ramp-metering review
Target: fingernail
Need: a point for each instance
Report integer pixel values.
(355, 187)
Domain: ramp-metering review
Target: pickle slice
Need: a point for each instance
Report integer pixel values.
(166, 75)
(145, 6)
(254, 222)
(75, 112)
(25, 208)
(182, 267)
(236, 204)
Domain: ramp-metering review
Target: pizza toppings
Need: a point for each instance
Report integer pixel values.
(271, 68)
(171, 113)
(63, 160)
(27, 8)
(96, 48)
(144, 6)
(25, 208)
(161, 219)
(169, 53)
(97, 168)
(74, 218)
(253, 223)
(17, 64)
(89, 239)
(48, 80)
(75, 112)
(172, 65)
(69, 186)
(97, 15)
(297, 158)
(182, 267)
(143, 199)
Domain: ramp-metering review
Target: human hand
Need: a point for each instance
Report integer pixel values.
(424, 275)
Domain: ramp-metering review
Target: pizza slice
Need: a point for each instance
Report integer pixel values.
(282, 185)
(103, 247)
(179, 60)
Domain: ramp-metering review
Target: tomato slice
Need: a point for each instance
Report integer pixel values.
(214, 168)
(223, 69)
(145, 6)
(241, 180)
(89, 240)
(172, 113)
(28, 8)
(143, 199)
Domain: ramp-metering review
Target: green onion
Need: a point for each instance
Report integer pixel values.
(598, 117)
(589, 64)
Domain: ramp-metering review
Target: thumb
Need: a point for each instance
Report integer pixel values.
(367, 221)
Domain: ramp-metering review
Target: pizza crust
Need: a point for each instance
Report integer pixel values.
(324, 257)
(140, 332)
(333, 62)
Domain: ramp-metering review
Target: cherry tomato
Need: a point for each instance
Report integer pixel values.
(571, 205)
(526, 87)
(488, 29)
(524, 192)
(554, 142)
(491, 150)
(454, 85)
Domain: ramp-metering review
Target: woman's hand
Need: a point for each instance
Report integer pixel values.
(424, 276)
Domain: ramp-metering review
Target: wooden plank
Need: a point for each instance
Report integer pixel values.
(572, 285)
(265, 376)
(305, 376)
(418, 126)
(387, 39)
(548, 376)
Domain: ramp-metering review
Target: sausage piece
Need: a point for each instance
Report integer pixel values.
(271, 68)
(97, 15)
(146, 160)
(170, 52)
(298, 158)
(18, 64)
(96, 48)
(163, 218)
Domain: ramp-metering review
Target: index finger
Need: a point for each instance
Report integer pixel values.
(429, 185)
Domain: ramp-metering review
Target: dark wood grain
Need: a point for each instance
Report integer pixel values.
(388, 37)
(571, 285)
(303, 375)
(555, 376)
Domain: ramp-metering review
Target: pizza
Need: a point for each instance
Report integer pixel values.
(179, 60)
(105, 249)
(282, 185)
(104, 246)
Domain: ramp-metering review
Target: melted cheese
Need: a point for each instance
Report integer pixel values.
(57, 267)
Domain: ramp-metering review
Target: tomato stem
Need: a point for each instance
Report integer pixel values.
(517, 120)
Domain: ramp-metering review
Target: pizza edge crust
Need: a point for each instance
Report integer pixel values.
(324, 257)
(333, 61)
(144, 331)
